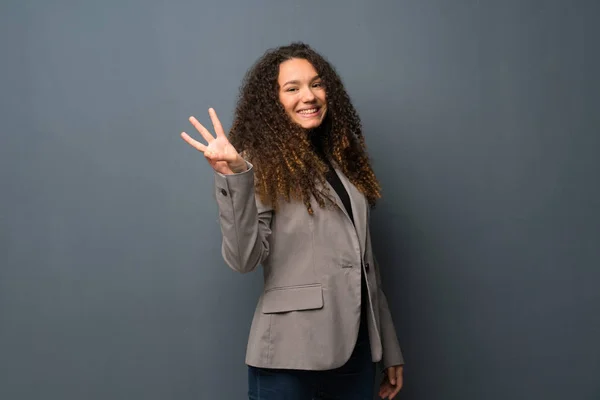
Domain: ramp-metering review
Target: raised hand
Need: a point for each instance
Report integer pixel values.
(219, 153)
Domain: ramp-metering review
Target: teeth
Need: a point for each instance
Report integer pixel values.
(311, 111)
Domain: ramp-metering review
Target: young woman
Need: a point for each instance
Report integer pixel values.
(294, 188)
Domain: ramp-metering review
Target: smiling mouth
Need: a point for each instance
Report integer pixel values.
(309, 112)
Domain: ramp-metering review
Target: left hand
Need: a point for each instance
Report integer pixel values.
(392, 382)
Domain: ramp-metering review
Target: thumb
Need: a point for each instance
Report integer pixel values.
(216, 155)
(391, 373)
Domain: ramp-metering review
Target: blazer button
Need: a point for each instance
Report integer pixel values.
(367, 266)
(224, 192)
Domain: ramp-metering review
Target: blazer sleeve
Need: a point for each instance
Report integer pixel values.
(245, 221)
(392, 353)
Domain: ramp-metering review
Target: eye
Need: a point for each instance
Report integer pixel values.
(318, 84)
(292, 89)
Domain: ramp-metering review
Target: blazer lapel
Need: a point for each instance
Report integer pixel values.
(332, 193)
(357, 202)
(359, 209)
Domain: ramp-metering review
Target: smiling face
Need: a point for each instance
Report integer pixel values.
(302, 93)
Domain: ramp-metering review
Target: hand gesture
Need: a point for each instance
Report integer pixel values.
(219, 153)
(392, 382)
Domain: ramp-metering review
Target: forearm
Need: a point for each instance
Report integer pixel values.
(392, 353)
(245, 230)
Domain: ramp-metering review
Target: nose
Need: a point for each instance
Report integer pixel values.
(308, 96)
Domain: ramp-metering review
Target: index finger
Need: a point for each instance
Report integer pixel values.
(216, 123)
(399, 383)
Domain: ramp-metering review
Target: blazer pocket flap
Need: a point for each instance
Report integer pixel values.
(292, 298)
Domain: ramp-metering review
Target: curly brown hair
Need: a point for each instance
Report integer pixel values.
(286, 165)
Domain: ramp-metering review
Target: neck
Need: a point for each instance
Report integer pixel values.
(317, 135)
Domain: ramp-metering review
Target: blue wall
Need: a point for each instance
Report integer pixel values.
(482, 121)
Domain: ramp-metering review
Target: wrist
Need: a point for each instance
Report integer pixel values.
(239, 166)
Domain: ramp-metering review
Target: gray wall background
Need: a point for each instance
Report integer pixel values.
(482, 121)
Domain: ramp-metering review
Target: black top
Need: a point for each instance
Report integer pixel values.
(316, 138)
(338, 186)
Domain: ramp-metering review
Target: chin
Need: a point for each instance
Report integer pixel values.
(310, 125)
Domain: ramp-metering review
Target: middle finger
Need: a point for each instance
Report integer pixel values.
(395, 391)
(216, 123)
(203, 131)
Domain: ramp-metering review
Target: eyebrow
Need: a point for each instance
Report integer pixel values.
(295, 82)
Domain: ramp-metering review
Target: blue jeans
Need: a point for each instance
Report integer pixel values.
(353, 381)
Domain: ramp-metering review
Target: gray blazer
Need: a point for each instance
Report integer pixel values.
(309, 312)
